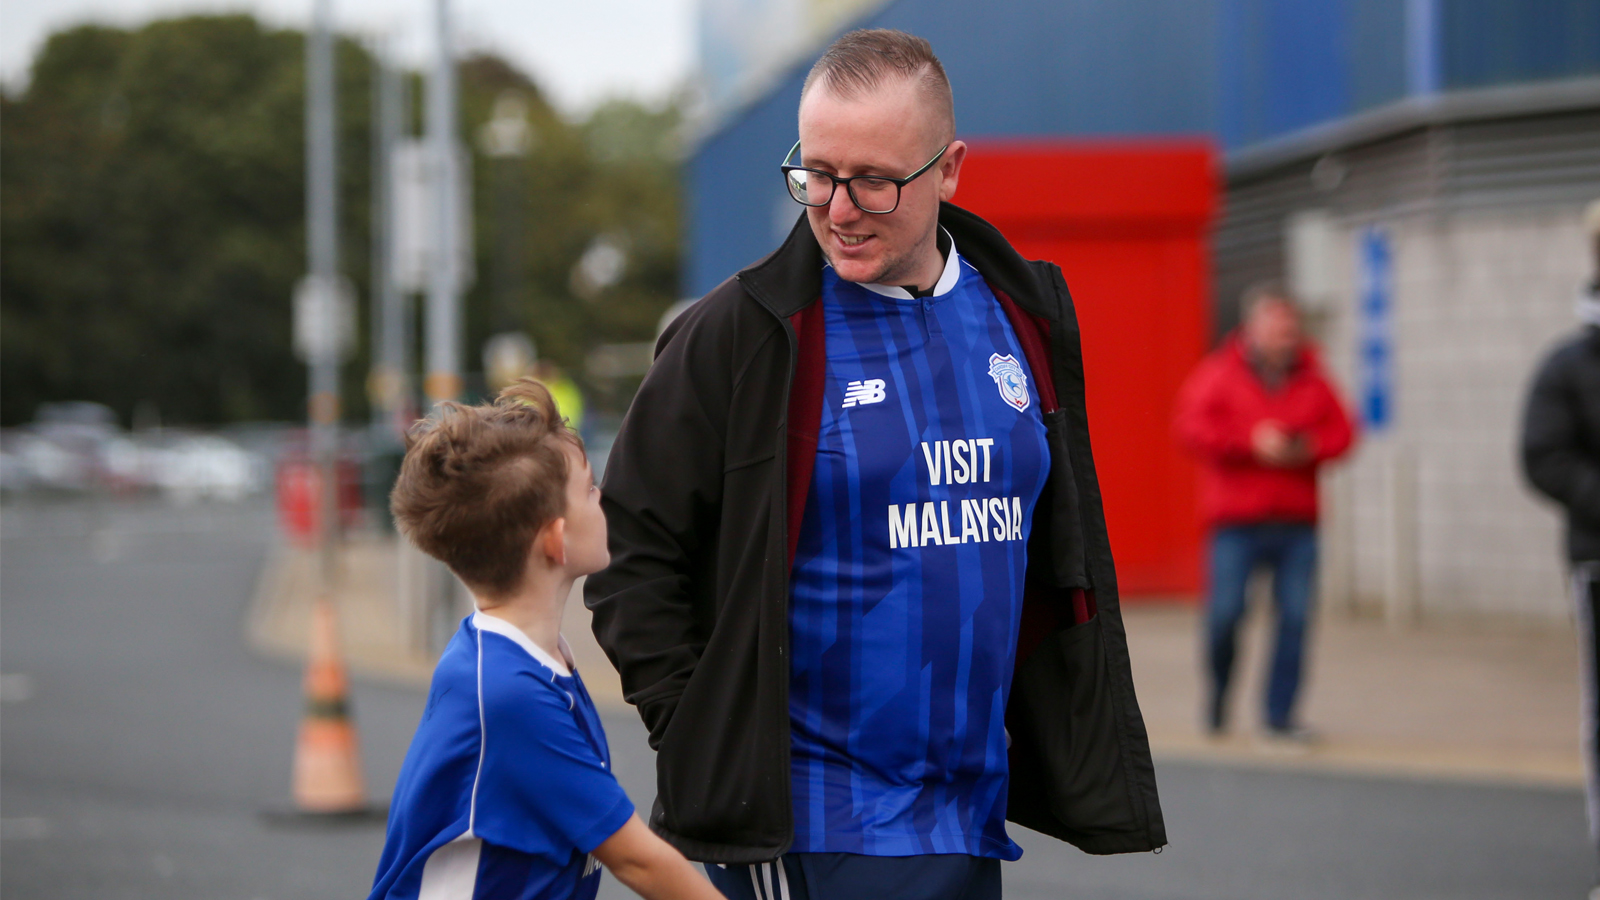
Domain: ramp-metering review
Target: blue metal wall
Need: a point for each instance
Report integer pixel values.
(737, 207)
(1242, 71)
(1487, 42)
(1286, 64)
(1020, 67)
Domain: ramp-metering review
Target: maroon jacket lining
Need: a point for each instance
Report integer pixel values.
(805, 413)
(1033, 333)
(1040, 617)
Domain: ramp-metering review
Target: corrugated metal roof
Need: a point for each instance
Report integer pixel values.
(1434, 163)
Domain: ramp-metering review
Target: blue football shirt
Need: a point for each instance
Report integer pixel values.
(507, 787)
(907, 583)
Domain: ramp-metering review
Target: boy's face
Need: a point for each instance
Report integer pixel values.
(587, 552)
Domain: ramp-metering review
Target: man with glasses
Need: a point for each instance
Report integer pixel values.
(861, 590)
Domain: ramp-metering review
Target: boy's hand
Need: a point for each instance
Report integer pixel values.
(651, 867)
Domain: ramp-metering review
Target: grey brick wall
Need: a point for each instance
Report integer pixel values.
(1479, 296)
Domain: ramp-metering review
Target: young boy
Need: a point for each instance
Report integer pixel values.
(507, 790)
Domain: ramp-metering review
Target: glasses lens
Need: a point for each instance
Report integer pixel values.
(875, 195)
(809, 188)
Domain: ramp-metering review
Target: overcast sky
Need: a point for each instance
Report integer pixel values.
(578, 51)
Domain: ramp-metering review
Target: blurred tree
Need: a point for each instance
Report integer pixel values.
(611, 178)
(154, 218)
(153, 222)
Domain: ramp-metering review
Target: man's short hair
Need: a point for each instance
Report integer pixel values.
(860, 61)
(1261, 293)
(478, 482)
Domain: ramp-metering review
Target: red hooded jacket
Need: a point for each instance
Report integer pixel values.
(1219, 406)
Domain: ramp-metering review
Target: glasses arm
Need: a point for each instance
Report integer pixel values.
(918, 173)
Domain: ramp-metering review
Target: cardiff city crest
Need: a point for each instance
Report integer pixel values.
(1008, 376)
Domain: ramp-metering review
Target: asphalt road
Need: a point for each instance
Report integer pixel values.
(140, 742)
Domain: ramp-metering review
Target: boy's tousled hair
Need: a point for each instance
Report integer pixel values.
(478, 482)
(860, 61)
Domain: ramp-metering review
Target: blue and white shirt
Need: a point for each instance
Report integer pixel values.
(507, 787)
(908, 578)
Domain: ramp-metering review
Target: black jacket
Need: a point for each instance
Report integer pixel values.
(702, 494)
(1561, 438)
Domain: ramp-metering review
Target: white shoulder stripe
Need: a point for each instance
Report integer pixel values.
(483, 745)
(502, 627)
(451, 872)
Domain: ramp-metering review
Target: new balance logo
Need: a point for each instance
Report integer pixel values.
(863, 392)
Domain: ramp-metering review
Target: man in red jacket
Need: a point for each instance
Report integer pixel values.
(1262, 417)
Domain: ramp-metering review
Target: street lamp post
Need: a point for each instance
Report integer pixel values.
(327, 767)
(507, 139)
(443, 381)
(389, 383)
(322, 298)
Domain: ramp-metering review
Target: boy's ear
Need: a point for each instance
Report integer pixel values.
(552, 541)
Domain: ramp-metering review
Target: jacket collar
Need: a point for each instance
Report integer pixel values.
(790, 278)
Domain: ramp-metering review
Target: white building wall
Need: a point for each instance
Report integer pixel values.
(1480, 295)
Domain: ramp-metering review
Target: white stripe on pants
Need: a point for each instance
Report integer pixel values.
(1584, 578)
(770, 880)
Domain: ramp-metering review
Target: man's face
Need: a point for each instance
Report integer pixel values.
(1273, 332)
(889, 131)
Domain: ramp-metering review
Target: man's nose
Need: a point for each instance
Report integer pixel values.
(841, 208)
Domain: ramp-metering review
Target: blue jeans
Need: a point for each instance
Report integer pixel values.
(1289, 550)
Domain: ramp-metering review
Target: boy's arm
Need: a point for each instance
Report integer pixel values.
(651, 867)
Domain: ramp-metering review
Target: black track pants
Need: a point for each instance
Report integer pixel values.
(1586, 593)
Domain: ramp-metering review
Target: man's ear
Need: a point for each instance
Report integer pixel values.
(552, 541)
(950, 169)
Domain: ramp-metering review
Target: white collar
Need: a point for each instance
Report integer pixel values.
(485, 622)
(947, 278)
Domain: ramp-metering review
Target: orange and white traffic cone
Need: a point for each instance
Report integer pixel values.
(327, 758)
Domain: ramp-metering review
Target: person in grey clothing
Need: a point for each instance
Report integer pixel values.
(1561, 457)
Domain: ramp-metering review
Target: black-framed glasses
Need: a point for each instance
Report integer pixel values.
(877, 194)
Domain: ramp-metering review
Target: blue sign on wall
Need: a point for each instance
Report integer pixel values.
(1376, 341)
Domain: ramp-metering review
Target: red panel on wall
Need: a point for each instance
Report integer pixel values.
(1129, 225)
